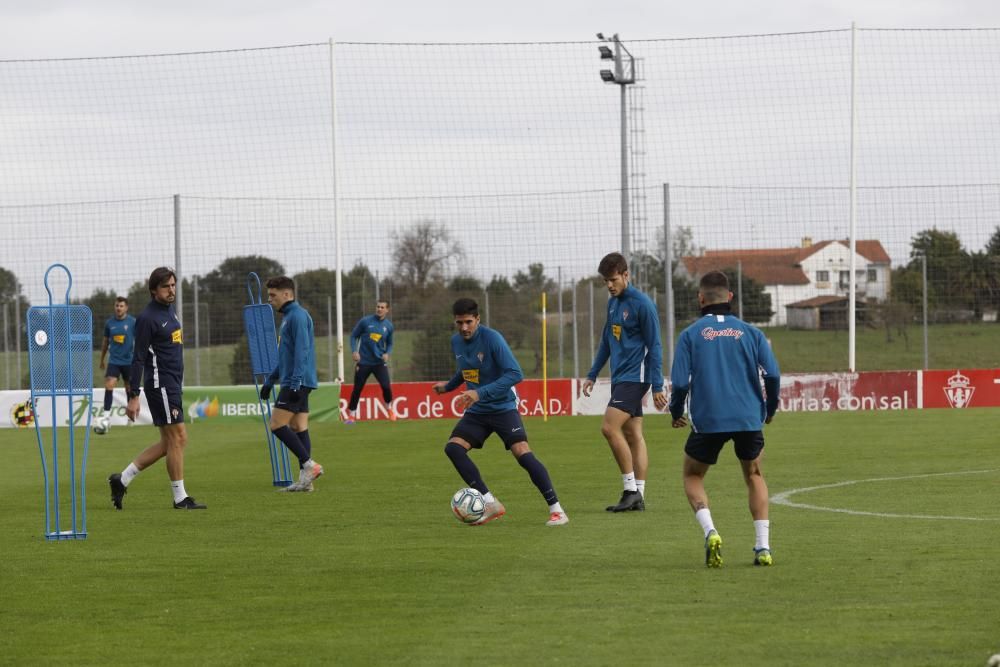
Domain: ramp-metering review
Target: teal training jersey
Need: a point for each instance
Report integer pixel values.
(121, 340)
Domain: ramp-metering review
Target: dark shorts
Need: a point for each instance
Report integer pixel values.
(627, 397)
(165, 405)
(475, 428)
(115, 371)
(705, 447)
(286, 402)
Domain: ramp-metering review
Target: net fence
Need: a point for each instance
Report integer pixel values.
(494, 171)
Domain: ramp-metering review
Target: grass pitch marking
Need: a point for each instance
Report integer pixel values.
(783, 498)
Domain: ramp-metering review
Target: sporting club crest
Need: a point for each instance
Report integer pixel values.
(959, 390)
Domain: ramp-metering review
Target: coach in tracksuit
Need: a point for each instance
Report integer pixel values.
(371, 345)
(158, 367)
(717, 372)
(631, 339)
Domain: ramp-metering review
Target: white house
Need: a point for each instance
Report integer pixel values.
(791, 275)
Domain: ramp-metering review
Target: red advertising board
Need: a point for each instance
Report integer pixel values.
(822, 392)
(416, 400)
(973, 388)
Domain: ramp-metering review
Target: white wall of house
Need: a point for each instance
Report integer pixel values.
(835, 260)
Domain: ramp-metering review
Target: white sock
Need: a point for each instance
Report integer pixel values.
(489, 497)
(628, 480)
(556, 508)
(704, 517)
(640, 484)
(129, 473)
(762, 529)
(178, 489)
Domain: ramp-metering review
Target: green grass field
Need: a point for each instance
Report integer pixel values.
(372, 569)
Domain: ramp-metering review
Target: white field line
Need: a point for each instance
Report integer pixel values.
(783, 498)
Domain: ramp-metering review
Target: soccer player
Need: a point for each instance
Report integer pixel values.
(158, 367)
(296, 373)
(371, 345)
(489, 370)
(119, 337)
(631, 339)
(717, 369)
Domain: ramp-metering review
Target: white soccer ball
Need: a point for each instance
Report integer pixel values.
(994, 661)
(468, 505)
(100, 428)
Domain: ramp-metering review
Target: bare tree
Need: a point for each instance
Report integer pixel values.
(423, 253)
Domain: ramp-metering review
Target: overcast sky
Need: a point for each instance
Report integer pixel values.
(79, 28)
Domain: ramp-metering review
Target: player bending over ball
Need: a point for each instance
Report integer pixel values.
(489, 370)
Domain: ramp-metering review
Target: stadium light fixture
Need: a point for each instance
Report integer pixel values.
(622, 75)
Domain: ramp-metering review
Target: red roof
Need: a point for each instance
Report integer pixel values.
(818, 301)
(775, 266)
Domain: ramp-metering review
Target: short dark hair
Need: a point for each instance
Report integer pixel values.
(121, 299)
(378, 301)
(714, 285)
(281, 282)
(465, 306)
(159, 276)
(612, 263)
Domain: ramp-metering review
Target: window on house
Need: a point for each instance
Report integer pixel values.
(845, 278)
(872, 275)
(822, 276)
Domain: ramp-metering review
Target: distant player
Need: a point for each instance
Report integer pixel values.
(296, 373)
(371, 345)
(631, 339)
(488, 368)
(718, 367)
(158, 367)
(119, 337)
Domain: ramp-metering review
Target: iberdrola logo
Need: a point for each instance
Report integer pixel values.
(959, 390)
(203, 409)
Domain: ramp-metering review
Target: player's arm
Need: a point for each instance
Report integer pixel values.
(649, 324)
(680, 379)
(451, 385)
(772, 377)
(388, 344)
(603, 354)
(143, 338)
(300, 341)
(511, 375)
(104, 350)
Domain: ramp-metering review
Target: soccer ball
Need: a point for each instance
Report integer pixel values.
(101, 427)
(468, 505)
(994, 661)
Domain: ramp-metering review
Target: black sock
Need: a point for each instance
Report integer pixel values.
(539, 476)
(304, 439)
(287, 436)
(467, 470)
(107, 400)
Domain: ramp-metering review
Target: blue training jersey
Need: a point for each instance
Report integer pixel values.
(631, 339)
(158, 360)
(372, 338)
(718, 367)
(486, 364)
(296, 349)
(121, 340)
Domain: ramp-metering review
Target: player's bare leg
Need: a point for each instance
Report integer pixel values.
(757, 496)
(612, 428)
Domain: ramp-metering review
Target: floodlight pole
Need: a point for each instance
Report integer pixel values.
(623, 76)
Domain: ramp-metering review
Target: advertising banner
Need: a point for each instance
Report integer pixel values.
(800, 392)
(417, 400)
(962, 389)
